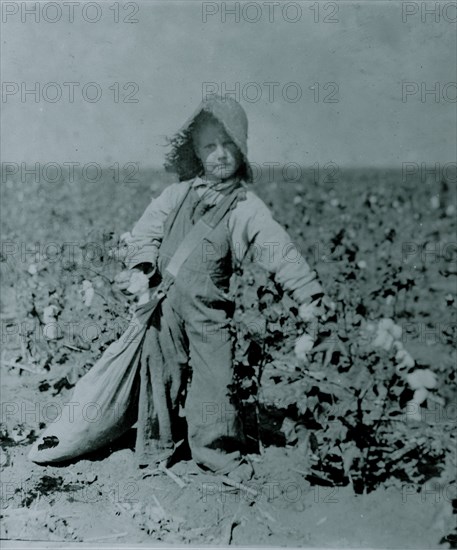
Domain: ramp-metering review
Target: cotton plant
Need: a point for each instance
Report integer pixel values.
(368, 343)
(387, 336)
(421, 381)
(384, 335)
(311, 314)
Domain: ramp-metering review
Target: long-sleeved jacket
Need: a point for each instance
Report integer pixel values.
(252, 228)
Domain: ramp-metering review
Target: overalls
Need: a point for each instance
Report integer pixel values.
(191, 327)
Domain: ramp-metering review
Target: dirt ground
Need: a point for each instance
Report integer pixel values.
(106, 499)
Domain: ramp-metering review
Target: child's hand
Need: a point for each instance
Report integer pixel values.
(122, 279)
(133, 281)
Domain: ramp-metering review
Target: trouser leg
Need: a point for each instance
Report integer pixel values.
(214, 431)
(164, 366)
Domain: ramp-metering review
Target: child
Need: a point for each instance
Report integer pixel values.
(192, 324)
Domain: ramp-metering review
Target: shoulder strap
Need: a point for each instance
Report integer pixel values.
(183, 200)
(198, 232)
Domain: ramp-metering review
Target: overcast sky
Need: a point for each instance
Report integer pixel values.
(170, 52)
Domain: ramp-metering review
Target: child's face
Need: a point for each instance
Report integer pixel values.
(214, 147)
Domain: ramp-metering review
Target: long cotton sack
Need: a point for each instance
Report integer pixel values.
(104, 403)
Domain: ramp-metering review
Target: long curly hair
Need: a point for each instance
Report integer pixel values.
(182, 159)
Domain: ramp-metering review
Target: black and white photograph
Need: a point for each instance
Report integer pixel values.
(228, 274)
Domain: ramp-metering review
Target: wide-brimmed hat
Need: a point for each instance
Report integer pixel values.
(182, 158)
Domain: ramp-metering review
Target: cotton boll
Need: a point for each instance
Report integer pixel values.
(378, 342)
(421, 379)
(413, 406)
(49, 313)
(393, 329)
(367, 332)
(139, 283)
(372, 199)
(383, 340)
(308, 312)
(401, 355)
(388, 342)
(87, 292)
(303, 345)
(420, 396)
(435, 202)
(382, 331)
(385, 324)
(404, 361)
(50, 321)
(450, 210)
(398, 346)
(370, 328)
(396, 331)
(387, 334)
